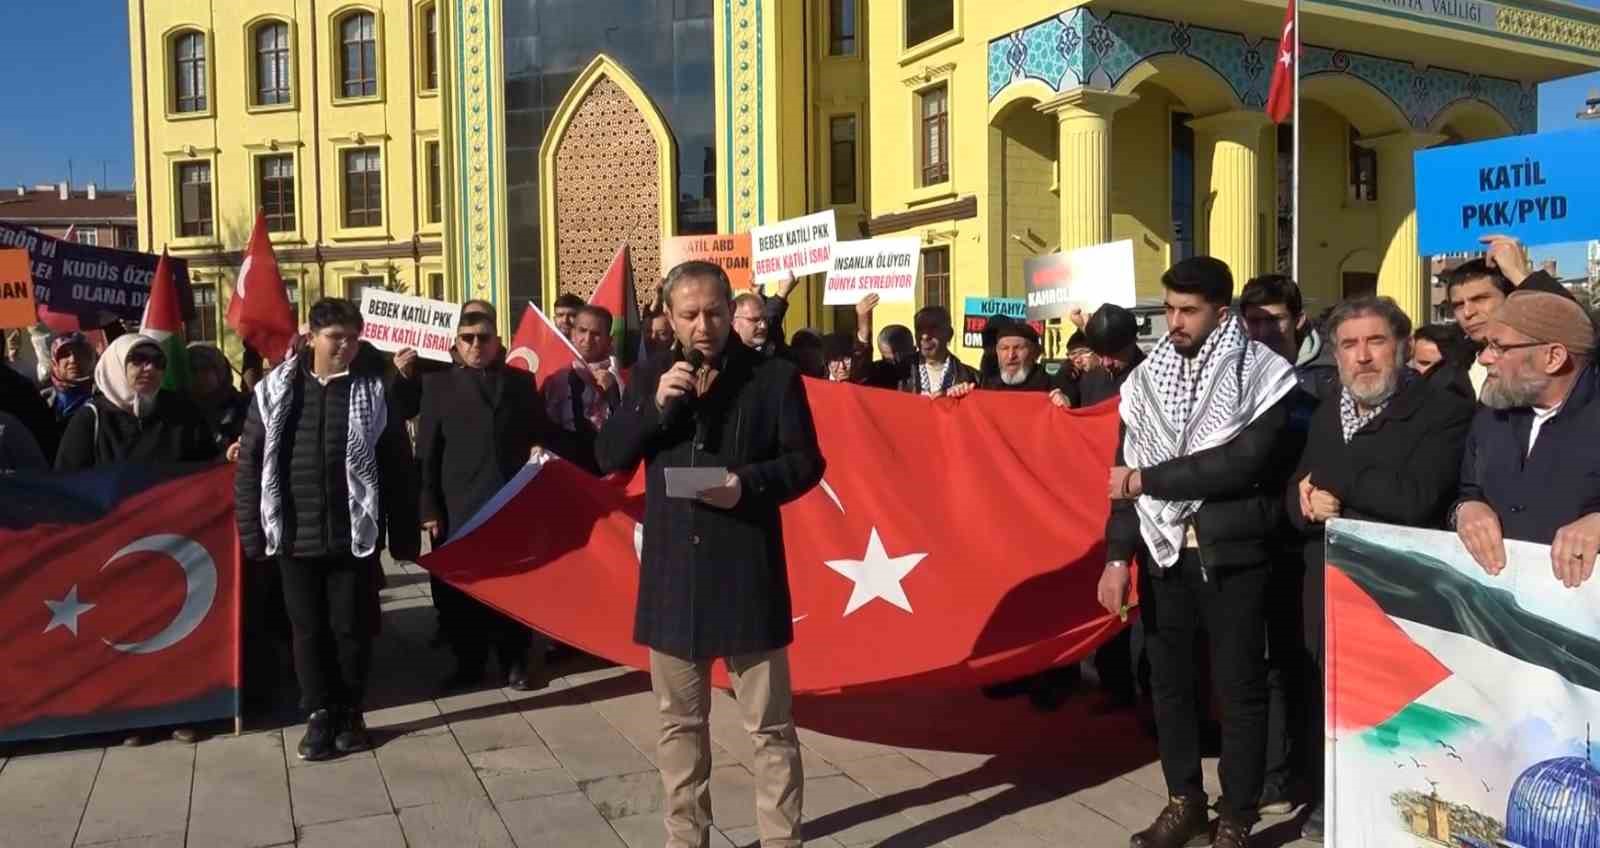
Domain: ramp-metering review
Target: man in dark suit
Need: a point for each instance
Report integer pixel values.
(479, 423)
(713, 582)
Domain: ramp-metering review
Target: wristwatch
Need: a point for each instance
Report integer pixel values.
(1117, 563)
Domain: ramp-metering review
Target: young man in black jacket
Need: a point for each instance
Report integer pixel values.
(1386, 447)
(1196, 492)
(325, 474)
(713, 582)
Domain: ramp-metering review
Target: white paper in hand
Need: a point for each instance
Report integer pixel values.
(690, 482)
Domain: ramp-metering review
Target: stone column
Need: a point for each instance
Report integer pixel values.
(1233, 143)
(1083, 161)
(1402, 274)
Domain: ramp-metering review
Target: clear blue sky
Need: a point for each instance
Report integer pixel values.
(67, 97)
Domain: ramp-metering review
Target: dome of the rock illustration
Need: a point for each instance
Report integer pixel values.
(1555, 804)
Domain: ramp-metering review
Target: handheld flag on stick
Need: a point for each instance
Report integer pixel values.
(163, 321)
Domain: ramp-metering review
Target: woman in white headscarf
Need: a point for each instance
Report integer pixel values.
(131, 418)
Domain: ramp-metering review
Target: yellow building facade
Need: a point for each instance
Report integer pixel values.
(325, 115)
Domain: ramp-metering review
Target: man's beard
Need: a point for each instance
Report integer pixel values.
(1017, 377)
(1498, 393)
(1374, 397)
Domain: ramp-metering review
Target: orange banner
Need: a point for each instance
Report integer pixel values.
(730, 252)
(16, 289)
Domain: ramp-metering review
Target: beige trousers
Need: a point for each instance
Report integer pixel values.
(683, 696)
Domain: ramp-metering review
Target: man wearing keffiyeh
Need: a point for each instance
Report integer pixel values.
(1196, 493)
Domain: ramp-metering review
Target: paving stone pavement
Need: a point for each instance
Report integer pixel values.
(568, 766)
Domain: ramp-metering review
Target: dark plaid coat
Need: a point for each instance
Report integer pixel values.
(714, 583)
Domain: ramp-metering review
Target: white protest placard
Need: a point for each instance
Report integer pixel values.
(393, 322)
(1087, 278)
(886, 267)
(799, 246)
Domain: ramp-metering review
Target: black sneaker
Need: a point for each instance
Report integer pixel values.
(1312, 829)
(353, 735)
(317, 744)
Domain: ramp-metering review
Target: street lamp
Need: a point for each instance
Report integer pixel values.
(1591, 107)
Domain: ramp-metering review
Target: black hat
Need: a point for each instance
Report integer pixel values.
(1111, 329)
(1016, 330)
(1077, 340)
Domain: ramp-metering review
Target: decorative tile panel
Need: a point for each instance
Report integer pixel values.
(745, 127)
(1083, 47)
(474, 149)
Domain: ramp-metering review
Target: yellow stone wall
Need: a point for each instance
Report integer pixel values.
(314, 128)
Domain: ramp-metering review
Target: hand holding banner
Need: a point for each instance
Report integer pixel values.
(885, 267)
(394, 322)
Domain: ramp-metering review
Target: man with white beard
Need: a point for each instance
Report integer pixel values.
(1386, 447)
(1016, 348)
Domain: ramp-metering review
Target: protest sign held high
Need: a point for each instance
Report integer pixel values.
(84, 280)
(731, 253)
(798, 246)
(885, 267)
(980, 309)
(394, 322)
(1542, 189)
(1086, 278)
(16, 289)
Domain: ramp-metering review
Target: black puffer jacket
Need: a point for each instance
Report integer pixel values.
(311, 470)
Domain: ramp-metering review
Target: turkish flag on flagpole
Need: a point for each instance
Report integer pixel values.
(259, 310)
(1281, 97)
(539, 348)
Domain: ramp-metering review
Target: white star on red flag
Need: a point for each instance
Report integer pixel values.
(877, 575)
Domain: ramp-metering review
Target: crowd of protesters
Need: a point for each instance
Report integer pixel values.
(1246, 428)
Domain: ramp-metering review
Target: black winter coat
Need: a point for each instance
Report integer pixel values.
(101, 433)
(714, 583)
(20, 397)
(1241, 484)
(311, 471)
(477, 429)
(1535, 494)
(1402, 468)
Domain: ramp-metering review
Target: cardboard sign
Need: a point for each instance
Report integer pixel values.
(731, 253)
(1086, 278)
(16, 290)
(799, 246)
(886, 267)
(393, 322)
(980, 309)
(89, 281)
(1542, 189)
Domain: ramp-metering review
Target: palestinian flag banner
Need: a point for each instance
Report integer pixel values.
(1458, 704)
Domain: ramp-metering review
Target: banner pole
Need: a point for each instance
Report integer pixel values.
(238, 634)
(1294, 175)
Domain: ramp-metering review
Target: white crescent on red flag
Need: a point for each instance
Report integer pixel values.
(539, 348)
(1280, 98)
(259, 310)
(951, 543)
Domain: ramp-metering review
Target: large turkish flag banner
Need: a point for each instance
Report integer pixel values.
(118, 600)
(951, 543)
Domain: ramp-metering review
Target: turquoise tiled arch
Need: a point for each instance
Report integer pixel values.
(1082, 47)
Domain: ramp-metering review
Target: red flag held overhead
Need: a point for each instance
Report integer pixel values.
(259, 310)
(539, 348)
(1280, 99)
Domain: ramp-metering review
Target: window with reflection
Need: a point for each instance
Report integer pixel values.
(189, 71)
(194, 199)
(277, 192)
(928, 19)
(435, 185)
(363, 187)
(935, 145)
(430, 48)
(358, 66)
(936, 276)
(842, 159)
(272, 63)
(841, 27)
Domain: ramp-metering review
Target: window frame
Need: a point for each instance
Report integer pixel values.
(207, 92)
(178, 183)
(948, 38)
(1356, 152)
(432, 183)
(379, 275)
(336, 51)
(92, 233)
(252, 34)
(921, 121)
(947, 273)
(205, 313)
(855, 158)
(343, 227)
(426, 51)
(258, 172)
(828, 41)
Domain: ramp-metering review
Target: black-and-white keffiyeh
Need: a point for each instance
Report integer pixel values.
(369, 414)
(925, 378)
(1175, 406)
(1352, 418)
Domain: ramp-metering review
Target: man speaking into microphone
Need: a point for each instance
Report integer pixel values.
(727, 438)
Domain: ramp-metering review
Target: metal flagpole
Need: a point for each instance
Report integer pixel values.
(1294, 176)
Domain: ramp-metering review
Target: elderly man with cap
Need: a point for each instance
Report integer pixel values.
(1532, 465)
(1016, 349)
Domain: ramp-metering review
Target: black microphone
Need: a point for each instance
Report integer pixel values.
(696, 360)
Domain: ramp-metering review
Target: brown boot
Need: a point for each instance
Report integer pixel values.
(1231, 834)
(1183, 824)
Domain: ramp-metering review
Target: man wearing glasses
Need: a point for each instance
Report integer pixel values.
(1532, 464)
(479, 422)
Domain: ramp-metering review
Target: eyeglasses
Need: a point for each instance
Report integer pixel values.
(759, 319)
(152, 358)
(477, 338)
(1498, 350)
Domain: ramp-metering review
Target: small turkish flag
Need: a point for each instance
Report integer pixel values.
(259, 310)
(118, 600)
(911, 566)
(1280, 99)
(539, 348)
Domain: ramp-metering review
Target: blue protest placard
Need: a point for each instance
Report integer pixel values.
(1542, 189)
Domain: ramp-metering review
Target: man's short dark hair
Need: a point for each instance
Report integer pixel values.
(599, 312)
(898, 337)
(837, 346)
(334, 312)
(1477, 269)
(938, 316)
(569, 301)
(1383, 307)
(1206, 276)
(474, 318)
(1273, 290)
(699, 270)
(1111, 330)
(1444, 336)
(483, 307)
